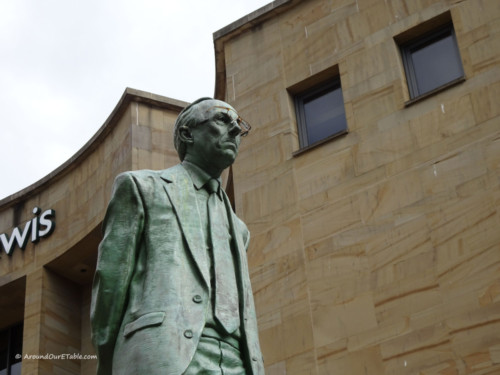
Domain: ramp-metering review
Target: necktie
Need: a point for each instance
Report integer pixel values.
(226, 290)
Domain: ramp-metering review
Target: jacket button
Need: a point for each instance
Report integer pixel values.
(254, 359)
(188, 334)
(197, 299)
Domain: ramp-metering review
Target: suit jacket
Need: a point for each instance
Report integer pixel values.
(152, 281)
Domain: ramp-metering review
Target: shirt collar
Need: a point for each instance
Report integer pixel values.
(198, 175)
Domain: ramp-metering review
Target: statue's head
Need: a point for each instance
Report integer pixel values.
(208, 133)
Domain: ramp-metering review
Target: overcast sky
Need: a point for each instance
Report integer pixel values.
(64, 64)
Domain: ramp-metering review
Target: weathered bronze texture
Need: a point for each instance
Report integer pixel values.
(156, 287)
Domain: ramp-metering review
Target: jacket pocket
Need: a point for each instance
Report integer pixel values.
(146, 320)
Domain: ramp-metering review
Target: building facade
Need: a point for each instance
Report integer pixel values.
(370, 183)
(375, 244)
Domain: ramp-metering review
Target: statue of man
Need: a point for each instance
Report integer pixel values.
(171, 292)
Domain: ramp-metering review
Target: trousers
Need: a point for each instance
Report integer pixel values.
(215, 357)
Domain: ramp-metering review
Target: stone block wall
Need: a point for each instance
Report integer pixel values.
(376, 252)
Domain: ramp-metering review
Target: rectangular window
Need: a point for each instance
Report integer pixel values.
(11, 344)
(432, 61)
(320, 113)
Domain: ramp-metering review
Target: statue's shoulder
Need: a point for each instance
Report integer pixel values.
(144, 175)
(133, 177)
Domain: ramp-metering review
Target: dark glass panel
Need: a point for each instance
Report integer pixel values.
(16, 344)
(325, 115)
(436, 64)
(4, 351)
(11, 342)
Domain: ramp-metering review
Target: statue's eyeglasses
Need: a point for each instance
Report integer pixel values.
(243, 125)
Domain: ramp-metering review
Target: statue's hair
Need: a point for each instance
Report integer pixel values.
(187, 118)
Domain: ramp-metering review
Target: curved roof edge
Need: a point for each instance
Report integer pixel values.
(237, 27)
(129, 95)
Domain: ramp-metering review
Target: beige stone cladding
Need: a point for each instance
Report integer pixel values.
(48, 283)
(377, 252)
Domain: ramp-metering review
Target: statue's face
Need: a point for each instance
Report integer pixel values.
(216, 138)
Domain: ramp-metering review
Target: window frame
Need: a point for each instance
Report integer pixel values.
(324, 88)
(409, 47)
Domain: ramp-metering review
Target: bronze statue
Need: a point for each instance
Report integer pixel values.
(171, 292)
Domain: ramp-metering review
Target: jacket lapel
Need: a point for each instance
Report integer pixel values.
(180, 191)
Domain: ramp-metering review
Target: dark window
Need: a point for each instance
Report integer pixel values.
(320, 113)
(432, 61)
(11, 345)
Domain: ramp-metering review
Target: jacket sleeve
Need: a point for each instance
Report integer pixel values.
(122, 228)
(243, 230)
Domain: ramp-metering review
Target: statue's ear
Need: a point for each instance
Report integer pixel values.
(185, 135)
